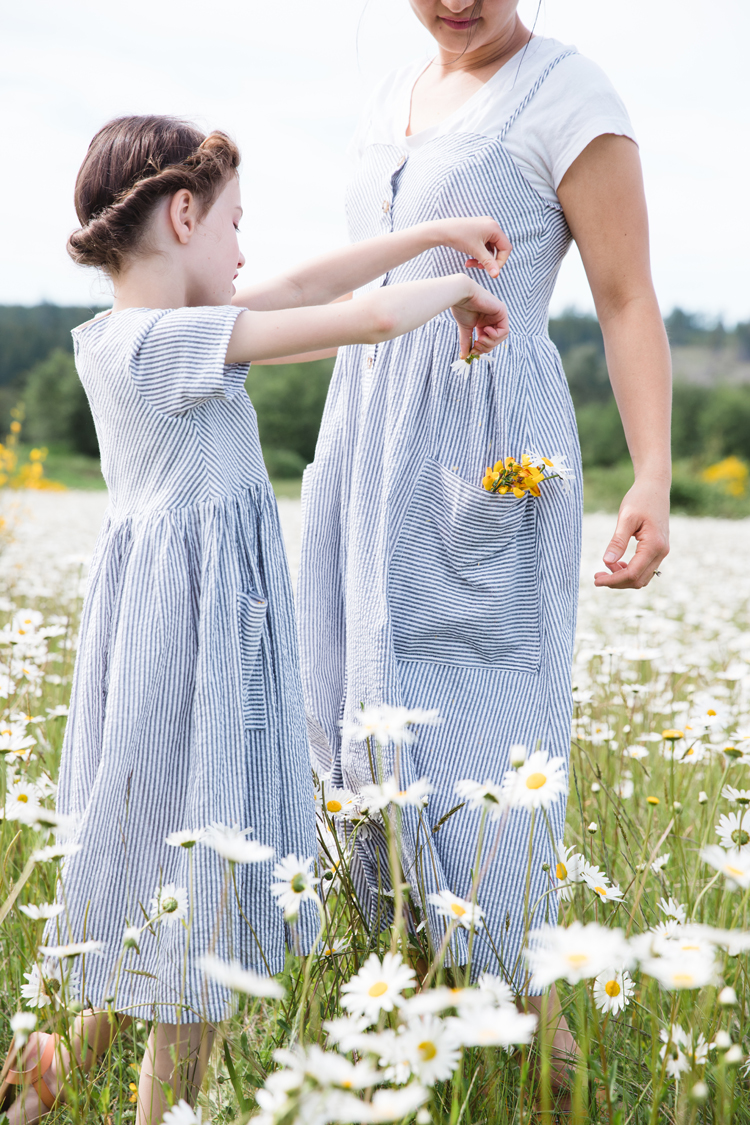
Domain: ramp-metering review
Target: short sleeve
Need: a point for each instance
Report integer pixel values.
(178, 362)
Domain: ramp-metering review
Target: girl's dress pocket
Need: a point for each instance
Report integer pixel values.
(463, 583)
(252, 619)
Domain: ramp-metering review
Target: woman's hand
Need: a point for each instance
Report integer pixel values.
(487, 247)
(482, 321)
(644, 515)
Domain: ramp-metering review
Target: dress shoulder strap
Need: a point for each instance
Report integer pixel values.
(534, 89)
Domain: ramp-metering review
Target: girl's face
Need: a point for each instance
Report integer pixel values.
(458, 25)
(214, 249)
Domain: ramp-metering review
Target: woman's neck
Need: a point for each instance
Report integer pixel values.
(488, 56)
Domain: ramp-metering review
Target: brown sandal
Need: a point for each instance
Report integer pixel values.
(33, 1077)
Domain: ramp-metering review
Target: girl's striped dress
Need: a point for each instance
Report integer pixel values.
(419, 588)
(187, 707)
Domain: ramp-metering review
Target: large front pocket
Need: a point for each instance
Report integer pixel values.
(252, 619)
(463, 583)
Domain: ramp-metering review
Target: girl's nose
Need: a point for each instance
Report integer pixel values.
(241, 262)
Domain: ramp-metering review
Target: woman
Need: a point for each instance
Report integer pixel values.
(416, 586)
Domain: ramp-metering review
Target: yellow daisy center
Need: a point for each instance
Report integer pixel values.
(612, 988)
(561, 871)
(601, 891)
(457, 909)
(730, 870)
(23, 797)
(378, 988)
(576, 959)
(685, 979)
(536, 780)
(710, 711)
(427, 1050)
(334, 806)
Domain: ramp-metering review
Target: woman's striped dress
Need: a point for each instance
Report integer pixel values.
(416, 586)
(187, 706)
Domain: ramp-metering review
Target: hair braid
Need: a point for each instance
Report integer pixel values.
(131, 164)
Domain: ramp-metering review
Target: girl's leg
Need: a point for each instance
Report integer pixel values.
(176, 1058)
(93, 1032)
(562, 1047)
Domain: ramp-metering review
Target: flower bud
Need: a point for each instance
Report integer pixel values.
(702, 800)
(517, 755)
(727, 997)
(733, 1055)
(699, 1092)
(595, 788)
(593, 827)
(722, 1040)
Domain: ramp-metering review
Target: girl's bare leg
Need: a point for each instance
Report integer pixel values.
(93, 1032)
(562, 1047)
(176, 1059)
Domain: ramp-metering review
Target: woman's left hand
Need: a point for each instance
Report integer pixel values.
(644, 515)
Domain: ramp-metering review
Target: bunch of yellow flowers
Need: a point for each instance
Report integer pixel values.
(517, 477)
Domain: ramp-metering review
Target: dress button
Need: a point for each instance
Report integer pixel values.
(369, 361)
(386, 206)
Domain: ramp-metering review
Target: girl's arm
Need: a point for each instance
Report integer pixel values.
(329, 277)
(603, 200)
(381, 315)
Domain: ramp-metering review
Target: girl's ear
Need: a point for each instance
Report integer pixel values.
(182, 215)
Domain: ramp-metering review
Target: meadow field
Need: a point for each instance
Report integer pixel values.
(650, 957)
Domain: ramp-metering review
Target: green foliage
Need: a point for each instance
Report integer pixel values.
(57, 411)
(28, 335)
(289, 400)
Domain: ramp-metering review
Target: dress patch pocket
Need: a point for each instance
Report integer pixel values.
(463, 582)
(252, 618)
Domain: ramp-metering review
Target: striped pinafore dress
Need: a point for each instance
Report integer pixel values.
(416, 586)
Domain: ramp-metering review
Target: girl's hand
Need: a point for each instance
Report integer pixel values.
(482, 321)
(481, 239)
(644, 515)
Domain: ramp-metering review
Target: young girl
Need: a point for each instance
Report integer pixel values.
(187, 709)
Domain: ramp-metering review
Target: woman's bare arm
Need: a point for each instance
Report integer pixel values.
(604, 203)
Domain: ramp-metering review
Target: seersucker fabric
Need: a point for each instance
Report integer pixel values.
(186, 708)
(419, 588)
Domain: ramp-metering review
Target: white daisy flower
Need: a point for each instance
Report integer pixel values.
(673, 909)
(683, 1051)
(339, 802)
(466, 914)
(348, 1032)
(388, 725)
(182, 1114)
(72, 949)
(40, 991)
(492, 1027)
(430, 1050)
(295, 883)
(537, 783)
(637, 752)
(185, 838)
(660, 862)
(331, 949)
(607, 892)
(131, 938)
(233, 845)
(491, 986)
(683, 971)
(234, 976)
(25, 621)
(482, 795)
(625, 789)
(737, 796)
(22, 1024)
(15, 743)
(573, 953)
(733, 829)
(613, 989)
(55, 851)
(387, 1105)
(43, 911)
(377, 986)
(327, 1068)
(569, 871)
(433, 1000)
(380, 796)
(734, 864)
(169, 905)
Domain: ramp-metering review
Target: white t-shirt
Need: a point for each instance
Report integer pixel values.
(575, 103)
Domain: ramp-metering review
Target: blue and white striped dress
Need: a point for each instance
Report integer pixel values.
(187, 706)
(416, 586)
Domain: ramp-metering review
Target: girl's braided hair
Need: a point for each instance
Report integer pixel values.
(131, 164)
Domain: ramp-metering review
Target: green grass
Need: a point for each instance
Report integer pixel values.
(605, 485)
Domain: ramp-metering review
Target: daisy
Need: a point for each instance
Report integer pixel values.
(738, 796)
(608, 892)
(185, 838)
(573, 953)
(734, 864)
(22, 1024)
(733, 829)
(455, 909)
(682, 971)
(637, 752)
(72, 949)
(231, 843)
(131, 938)
(613, 989)
(328, 1068)
(487, 796)
(339, 802)
(492, 1027)
(377, 986)
(488, 986)
(347, 1032)
(389, 1105)
(683, 1050)
(380, 796)
(569, 871)
(673, 909)
(55, 851)
(625, 789)
(660, 862)
(43, 911)
(26, 621)
(232, 975)
(182, 1114)
(537, 783)
(433, 1000)
(295, 883)
(388, 724)
(339, 945)
(430, 1050)
(169, 904)
(40, 991)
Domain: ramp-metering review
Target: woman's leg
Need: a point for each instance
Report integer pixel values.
(93, 1032)
(561, 1046)
(176, 1058)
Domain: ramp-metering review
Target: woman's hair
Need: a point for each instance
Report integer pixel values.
(131, 164)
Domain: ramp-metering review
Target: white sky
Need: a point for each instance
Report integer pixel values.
(287, 78)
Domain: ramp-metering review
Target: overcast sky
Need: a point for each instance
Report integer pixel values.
(287, 78)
